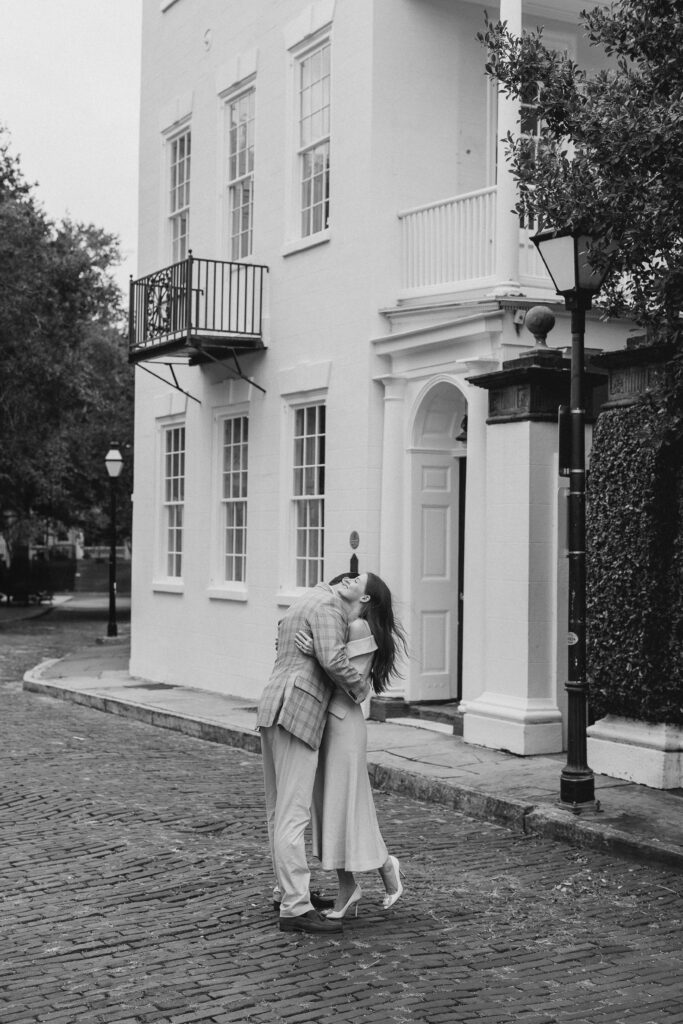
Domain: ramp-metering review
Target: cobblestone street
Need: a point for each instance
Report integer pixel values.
(135, 886)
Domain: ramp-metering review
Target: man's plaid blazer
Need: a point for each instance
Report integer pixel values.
(301, 686)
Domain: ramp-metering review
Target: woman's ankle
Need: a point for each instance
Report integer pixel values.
(388, 876)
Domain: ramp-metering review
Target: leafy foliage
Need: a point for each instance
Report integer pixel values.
(65, 385)
(610, 160)
(634, 525)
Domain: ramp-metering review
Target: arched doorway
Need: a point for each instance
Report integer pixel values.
(437, 532)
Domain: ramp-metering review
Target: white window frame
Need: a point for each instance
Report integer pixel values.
(178, 192)
(239, 175)
(219, 588)
(172, 506)
(307, 490)
(304, 143)
(313, 137)
(235, 504)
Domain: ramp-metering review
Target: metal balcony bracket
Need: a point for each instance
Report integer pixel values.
(238, 369)
(172, 383)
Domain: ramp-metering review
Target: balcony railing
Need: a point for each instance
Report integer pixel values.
(196, 304)
(450, 245)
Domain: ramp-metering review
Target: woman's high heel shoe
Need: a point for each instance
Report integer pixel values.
(353, 901)
(392, 897)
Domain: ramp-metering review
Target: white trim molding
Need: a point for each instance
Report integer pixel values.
(175, 113)
(313, 18)
(236, 73)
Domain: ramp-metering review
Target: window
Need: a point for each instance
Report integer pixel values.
(314, 140)
(234, 497)
(309, 493)
(531, 129)
(241, 174)
(531, 123)
(174, 498)
(179, 198)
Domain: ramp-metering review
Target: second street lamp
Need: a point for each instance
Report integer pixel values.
(565, 255)
(113, 461)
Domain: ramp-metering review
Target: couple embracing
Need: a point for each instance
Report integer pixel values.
(335, 644)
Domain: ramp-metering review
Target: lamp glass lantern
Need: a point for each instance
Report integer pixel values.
(564, 252)
(113, 461)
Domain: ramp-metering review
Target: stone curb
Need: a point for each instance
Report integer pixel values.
(507, 812)
(194, 727)
(553, 823)
(547, 821)
(30, 612)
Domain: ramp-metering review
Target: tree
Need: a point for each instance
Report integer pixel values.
(610, 159)
(610, 163)
(66, 388)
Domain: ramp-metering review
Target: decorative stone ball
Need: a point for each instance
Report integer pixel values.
(540, 321)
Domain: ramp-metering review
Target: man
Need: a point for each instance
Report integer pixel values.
(291, 716)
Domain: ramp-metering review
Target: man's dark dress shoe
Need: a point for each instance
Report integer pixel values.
(312, 922)
(319, 902)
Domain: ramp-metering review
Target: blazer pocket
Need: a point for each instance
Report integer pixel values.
(309, 686)
(338, 709)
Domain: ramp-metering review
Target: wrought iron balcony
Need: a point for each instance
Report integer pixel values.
(198, 309)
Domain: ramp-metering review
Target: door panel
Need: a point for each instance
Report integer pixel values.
(435, 542)
(434, 667)
(435, 642)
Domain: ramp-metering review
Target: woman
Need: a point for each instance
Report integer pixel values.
(346, 836)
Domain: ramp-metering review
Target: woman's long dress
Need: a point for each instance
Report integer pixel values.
(344, 823)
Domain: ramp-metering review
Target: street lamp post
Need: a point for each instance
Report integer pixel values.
(114, 464)
(565, 255)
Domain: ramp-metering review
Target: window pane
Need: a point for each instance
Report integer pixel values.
(240, 175)
(235, 484)
(314, 126)
(311, 419)
(310, 450)
(309, 480)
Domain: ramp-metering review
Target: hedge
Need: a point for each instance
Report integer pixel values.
(634, 534)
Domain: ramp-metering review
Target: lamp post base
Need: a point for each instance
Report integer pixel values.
(577, 787)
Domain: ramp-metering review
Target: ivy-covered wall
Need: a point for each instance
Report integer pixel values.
(634, 526)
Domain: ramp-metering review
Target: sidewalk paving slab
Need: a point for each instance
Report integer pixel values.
(521, 793)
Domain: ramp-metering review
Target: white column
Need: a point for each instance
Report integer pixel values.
(393, 564)
(507, 222)
(474, 588)
(391, 560)
(518, 709)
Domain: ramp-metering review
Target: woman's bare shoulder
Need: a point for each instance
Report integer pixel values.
(358, 629)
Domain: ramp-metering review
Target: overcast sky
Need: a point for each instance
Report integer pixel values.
(69, 96)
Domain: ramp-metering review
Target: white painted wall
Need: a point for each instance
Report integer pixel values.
(392, 73)
(408, 127)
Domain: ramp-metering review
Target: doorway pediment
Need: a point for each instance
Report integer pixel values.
(418, 340)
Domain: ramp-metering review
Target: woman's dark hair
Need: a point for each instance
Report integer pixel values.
(388, 633)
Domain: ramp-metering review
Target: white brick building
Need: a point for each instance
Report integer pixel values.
(349, 148)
